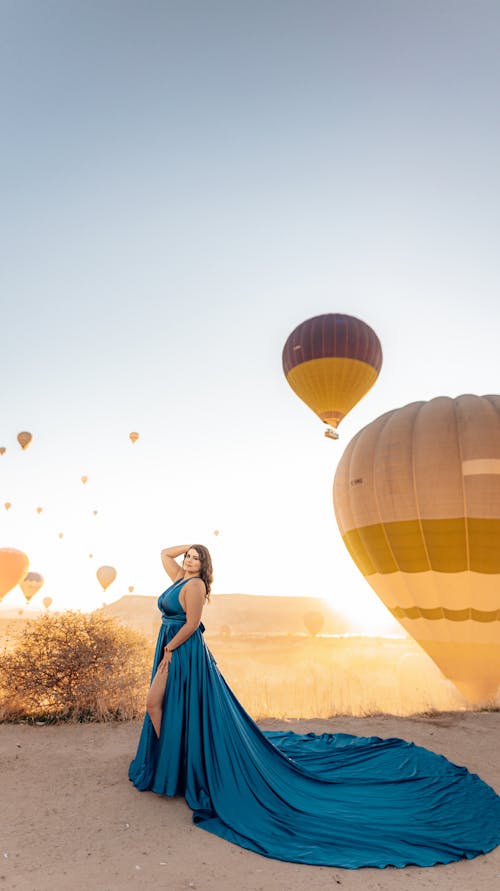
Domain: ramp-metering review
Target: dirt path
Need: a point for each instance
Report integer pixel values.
(71, 821)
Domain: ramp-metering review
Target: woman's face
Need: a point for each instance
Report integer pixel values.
(192, 561)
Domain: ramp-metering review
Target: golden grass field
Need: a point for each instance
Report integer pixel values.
(297, 675)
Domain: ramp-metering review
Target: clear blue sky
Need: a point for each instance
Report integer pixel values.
(182, 183)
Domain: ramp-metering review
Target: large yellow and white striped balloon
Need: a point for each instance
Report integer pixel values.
(417, 501)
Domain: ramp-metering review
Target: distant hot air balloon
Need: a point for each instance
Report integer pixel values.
(216, 532)
(31, 583)
(24, 438)
(90, 556)
(14, 565)
(131, 588)
(106, 575)
(8, 505)
(60, 534)
(47, 601)
(2, 450)
(417, 500)
(39, 510)
(330, 362)
(314, 621)
(95, 512)
(133, 437)
(84, 479)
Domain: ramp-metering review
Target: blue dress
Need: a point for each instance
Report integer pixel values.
(331, 799)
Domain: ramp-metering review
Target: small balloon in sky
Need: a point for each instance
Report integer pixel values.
(31, 584)
(14, 565)
(24, 438)
(60, 534)
(131, 588)
(216, 532)
(47, 601)
(7, 505)
(106, 575)
(39, 510)
(84, 479)
(95, 512)
(314, 621)
(90, 556)
(133, 437)
(330, 362)
(2, 450)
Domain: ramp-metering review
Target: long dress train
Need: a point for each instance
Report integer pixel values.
(329, 799)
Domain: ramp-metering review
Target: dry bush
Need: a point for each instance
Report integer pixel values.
(75, 666)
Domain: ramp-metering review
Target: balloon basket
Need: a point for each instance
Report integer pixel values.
(330, 433)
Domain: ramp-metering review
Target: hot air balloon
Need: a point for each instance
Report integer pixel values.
(133, 437)
(90, 556)
(95, 513)
(84, 479)
(330, 362)
(106, 575)
(14, 565)
(417, 500)
(216, 532)
(131, 588)
(2, 450)
(31, 583)
(47, 601)
(8, 505)
(60, 534)
(39, 510)
(24, 438)
(314, 621)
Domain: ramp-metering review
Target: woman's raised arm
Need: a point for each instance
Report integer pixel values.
(171, 567)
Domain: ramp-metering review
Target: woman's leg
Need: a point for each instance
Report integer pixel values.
(154, 700)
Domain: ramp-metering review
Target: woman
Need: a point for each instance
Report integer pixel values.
(331, 800)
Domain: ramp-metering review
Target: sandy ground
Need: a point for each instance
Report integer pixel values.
(70, 819)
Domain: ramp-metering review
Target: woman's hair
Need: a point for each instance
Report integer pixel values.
(206, 571)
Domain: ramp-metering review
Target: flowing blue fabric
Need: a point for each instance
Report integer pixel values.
(331, 799)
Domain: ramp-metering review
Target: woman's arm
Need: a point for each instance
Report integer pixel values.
(172, 568)
(194, 593)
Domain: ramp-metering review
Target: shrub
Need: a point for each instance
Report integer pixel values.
(75, 666)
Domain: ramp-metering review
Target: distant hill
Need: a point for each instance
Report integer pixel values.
(240, 613)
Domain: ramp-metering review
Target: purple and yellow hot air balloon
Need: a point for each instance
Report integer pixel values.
(24, 438)
(31, 584)
(330, 362)
(417, 501)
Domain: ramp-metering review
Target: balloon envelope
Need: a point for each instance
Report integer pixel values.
(106, 575)
(314, 621)
(32, 583)
(24, 438)
(330, 362)
(47, 601)
(417, 500)
(14, 565)
(133, 437)
(2, 450)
